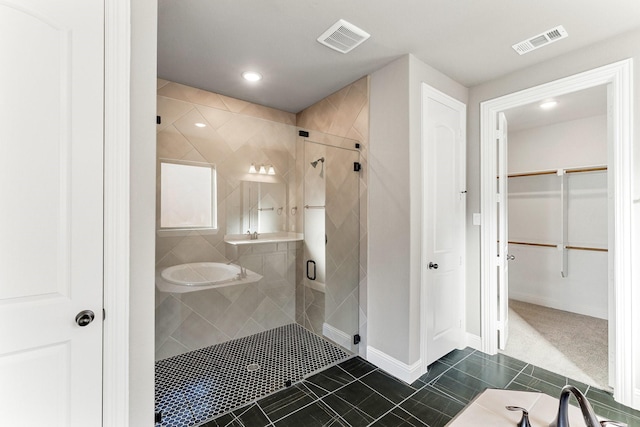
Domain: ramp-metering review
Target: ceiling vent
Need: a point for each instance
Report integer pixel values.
(343, 36)
(543, 39)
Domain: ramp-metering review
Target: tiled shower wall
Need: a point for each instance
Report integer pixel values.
(237, 133)
(346, 114)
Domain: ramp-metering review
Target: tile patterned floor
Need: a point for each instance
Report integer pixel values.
(196, 386)
(356, 393)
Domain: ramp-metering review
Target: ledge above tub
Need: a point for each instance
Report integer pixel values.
(243, 239)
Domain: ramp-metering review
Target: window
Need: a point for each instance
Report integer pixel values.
(187, 195)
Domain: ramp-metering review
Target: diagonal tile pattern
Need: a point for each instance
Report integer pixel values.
(356, 393)
(236, 133)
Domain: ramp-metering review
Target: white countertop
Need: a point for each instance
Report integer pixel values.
(243, 239)
(488, 409)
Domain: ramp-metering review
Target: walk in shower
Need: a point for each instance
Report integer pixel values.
(274, 216)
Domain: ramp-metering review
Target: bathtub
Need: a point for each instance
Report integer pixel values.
(199, 276)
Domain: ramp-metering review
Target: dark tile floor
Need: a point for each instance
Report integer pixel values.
(356, 393)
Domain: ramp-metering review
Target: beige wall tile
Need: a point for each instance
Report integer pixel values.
(195, 332)
(171, 144)
(170, 348)
(214, 116)
(170, 110)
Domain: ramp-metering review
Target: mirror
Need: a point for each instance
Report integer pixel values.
(262, 208)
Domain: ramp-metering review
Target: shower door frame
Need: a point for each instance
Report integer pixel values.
(346, 339)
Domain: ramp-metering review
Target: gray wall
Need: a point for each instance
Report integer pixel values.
(395, 199)
(143, 182)
(609, 51)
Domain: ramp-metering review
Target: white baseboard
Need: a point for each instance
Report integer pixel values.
(337, 336)
(400, 370)
(474, 341)
(600, 312)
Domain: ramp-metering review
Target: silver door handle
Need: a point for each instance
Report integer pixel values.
(85, 317)
(433, 266)
(510, 257)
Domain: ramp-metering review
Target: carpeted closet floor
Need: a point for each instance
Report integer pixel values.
(567, 343)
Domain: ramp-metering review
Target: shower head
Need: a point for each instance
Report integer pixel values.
(314, 164)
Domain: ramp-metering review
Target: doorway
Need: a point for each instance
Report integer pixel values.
(620, 307)
(557, 241)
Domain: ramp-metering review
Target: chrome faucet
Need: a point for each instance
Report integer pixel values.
(252, 236)
(590, 419)
(243, 270)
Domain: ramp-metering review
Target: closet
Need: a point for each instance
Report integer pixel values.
(559, 234)
(558, 215)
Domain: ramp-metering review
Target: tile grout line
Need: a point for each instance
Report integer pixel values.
(319, 399)
(517, 375)
(397, 406)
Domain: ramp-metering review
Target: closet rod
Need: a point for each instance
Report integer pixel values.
(589, 169)
(584, 248)
(555, 171)
(515, 175)
(544, 245)
(547, 245)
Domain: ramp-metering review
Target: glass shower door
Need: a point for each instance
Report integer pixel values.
(332, 240)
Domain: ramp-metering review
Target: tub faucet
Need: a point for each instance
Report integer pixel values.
(590, 419)
(243, 270)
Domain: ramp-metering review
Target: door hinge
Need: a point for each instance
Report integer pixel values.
(356, 339)
(158, 120)
(158, 417)
(303, 133)
(104, 314)
(357, 166)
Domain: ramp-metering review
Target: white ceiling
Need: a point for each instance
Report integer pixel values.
(209, 43)
(572, 106)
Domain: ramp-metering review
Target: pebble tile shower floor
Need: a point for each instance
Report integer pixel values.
(197, 386)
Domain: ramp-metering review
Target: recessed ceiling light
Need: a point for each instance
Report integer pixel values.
(547, 105)
(252, 76)
(200, 125)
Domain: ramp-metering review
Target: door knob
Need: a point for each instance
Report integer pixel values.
(85, 317)
(510, 257)
(433, 266)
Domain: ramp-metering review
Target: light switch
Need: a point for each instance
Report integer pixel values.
(477, 219)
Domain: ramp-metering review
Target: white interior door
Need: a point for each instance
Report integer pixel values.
(51, 133)
(503, 235)
(444, 221)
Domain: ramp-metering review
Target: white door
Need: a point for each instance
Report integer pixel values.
(51, 126)
(444, 221)
(503, 235)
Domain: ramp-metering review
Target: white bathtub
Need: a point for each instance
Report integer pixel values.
(201, 275)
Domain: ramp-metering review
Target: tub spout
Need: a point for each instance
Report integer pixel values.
(243, 270)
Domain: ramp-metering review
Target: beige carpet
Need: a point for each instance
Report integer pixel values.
(569, 344)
